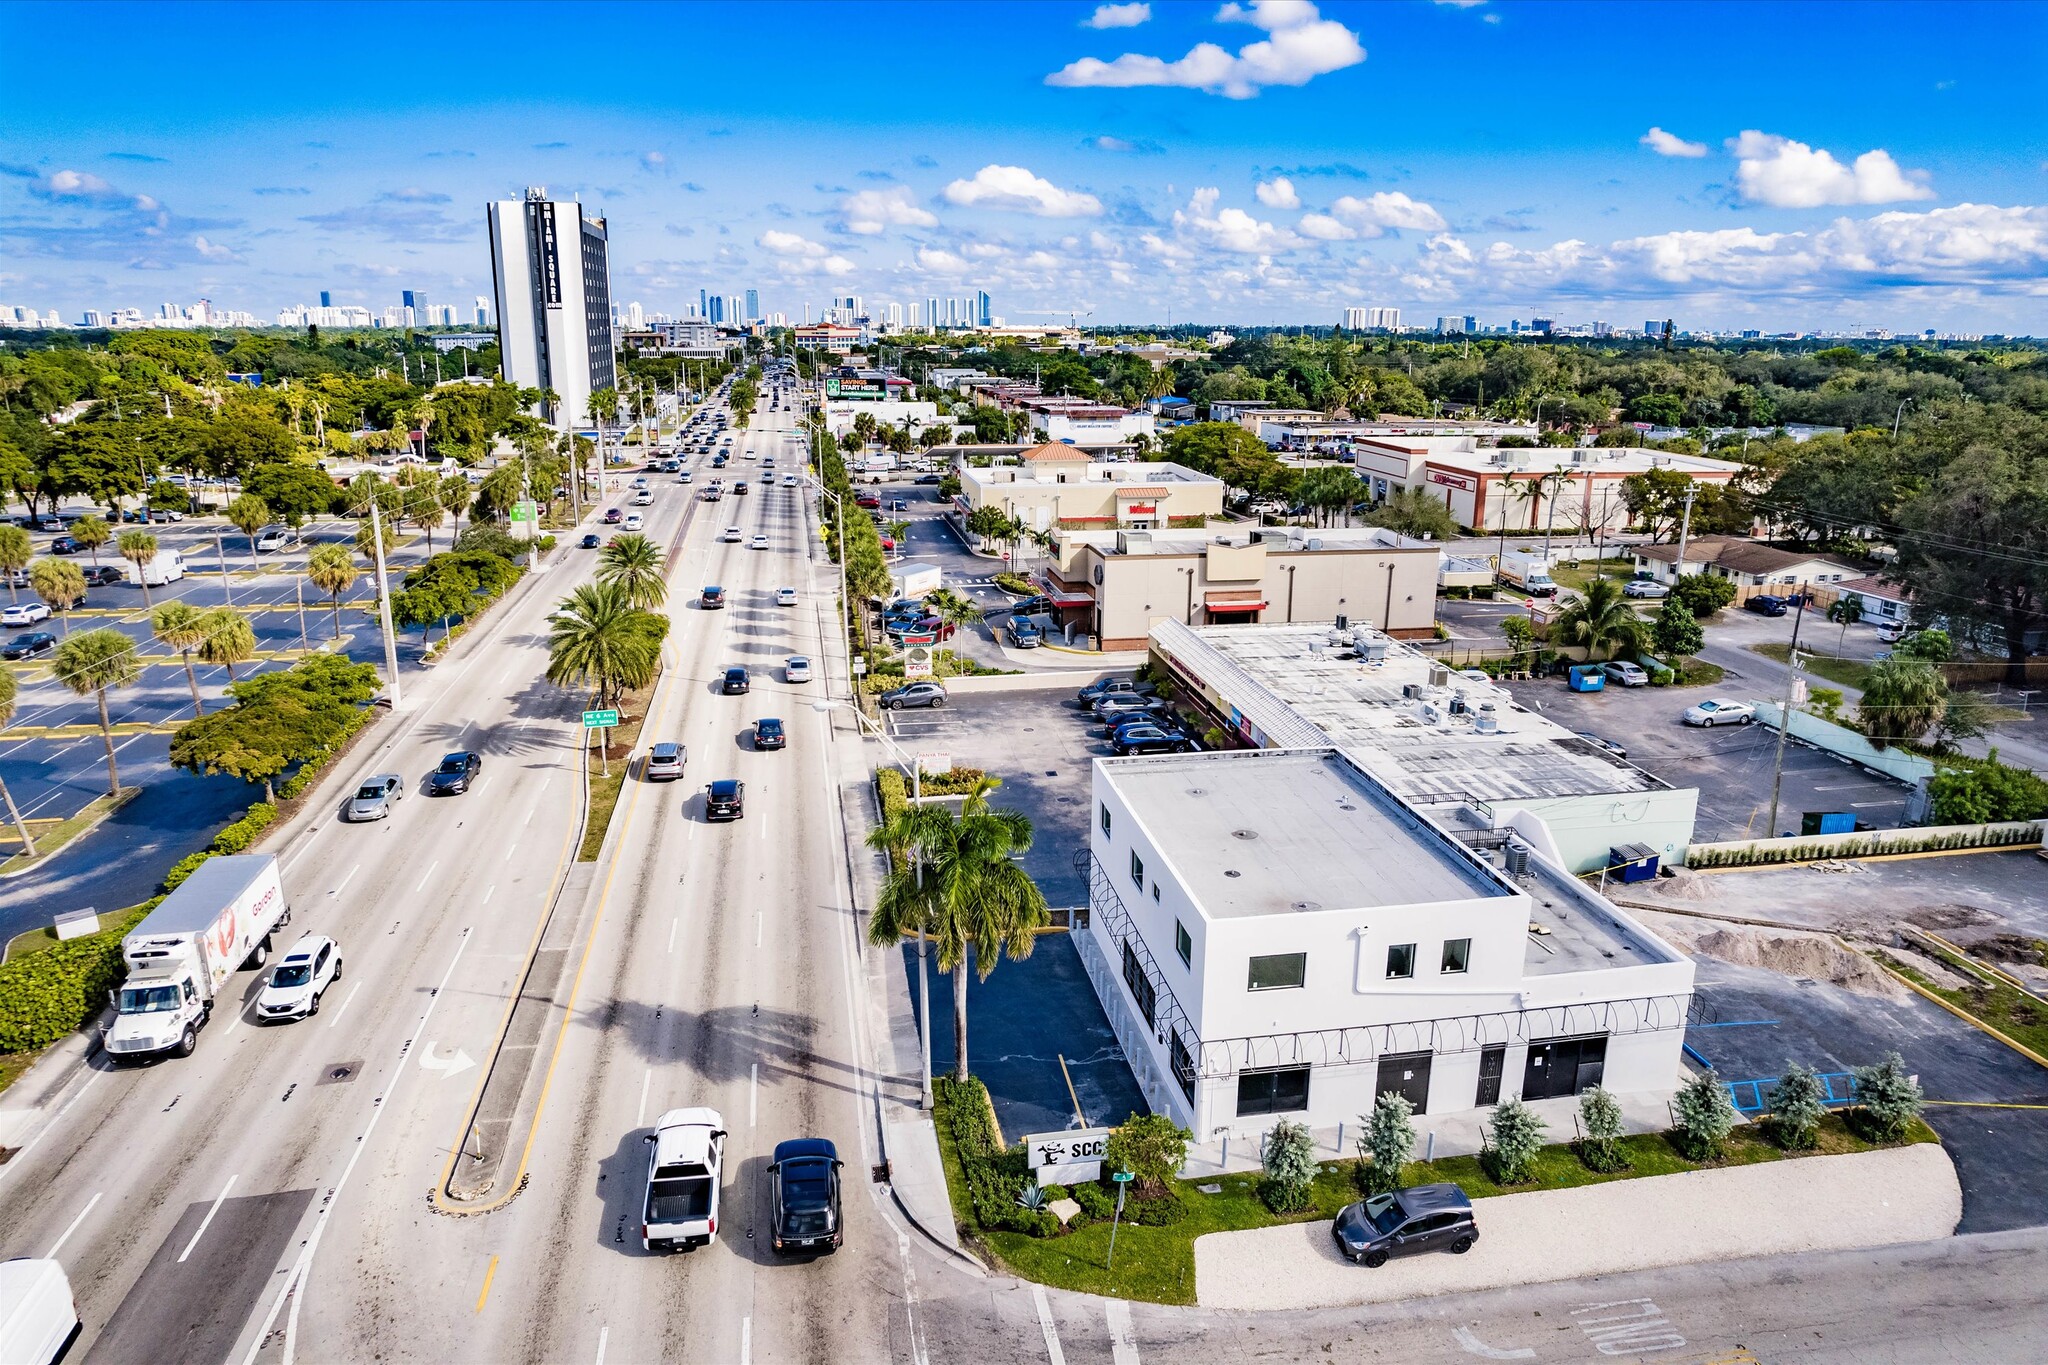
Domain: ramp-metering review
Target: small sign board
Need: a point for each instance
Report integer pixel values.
(600, 720)
(524, 510)
(1122, 1177)
(934, 764)
(917, 661)
(1076, 1153)
(77, 923)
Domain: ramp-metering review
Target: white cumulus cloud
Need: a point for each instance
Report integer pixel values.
(1278, 193)
(1671, 144)
(1373, 215)
(1118, 16)
(935, 261)
(871, 212)
(790, 244)
(1299, 46)
(1324, 228)
(1231, 229)
(1018, 190)
(1786, 174)
(213, 251)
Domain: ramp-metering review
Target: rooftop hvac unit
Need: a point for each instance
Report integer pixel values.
(1370, 644)
(1343, 623)
(1315, 542)
(1411, 691)
(1486, 723)
(1458, 707)
(1439, 676)
(1516, 857)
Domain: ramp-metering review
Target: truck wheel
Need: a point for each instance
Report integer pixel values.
(259, 955)
(187, 1041)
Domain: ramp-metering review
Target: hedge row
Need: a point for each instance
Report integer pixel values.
(995, 1178)
(46, 995)
(1872, 844)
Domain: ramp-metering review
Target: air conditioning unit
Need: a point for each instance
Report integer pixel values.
(1411, 691)
(1439, 675)
(1486, 723)
(1516, 857)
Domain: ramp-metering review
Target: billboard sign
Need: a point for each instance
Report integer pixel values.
(917, 661)
(1077, 1154)
(851, 387)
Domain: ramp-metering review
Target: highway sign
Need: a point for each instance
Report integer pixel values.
(600, 720)
(524, 510)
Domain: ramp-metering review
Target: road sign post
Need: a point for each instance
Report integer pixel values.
(595, 723)
(1123, 1182)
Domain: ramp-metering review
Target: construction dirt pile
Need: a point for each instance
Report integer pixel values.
(1780, 950)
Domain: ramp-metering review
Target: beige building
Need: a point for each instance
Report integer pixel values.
(1571, 490)
(1057, 487)
(1118, 584)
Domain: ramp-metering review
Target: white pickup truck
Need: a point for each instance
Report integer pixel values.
(183, 953)
(685, 1163)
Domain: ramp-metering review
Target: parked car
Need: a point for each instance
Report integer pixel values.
(664, 762)
(1627, 674)
(725, 799)
(1766, 604)
(1891, 632)
(103, 575)
(712, 598)
(30, 645)
(456, 773)
(1108, 687)
(1406, 1223)
(1029, 606)
(375, 797)
(1122, 703)
(274, 538)
(769, 734)
(25, 614)
(1148, 739)
(65, 545)
(803, 1196)
(1720, 711)
(295, 987)
(590, 540)
(1150, 713)
(736, 682)
(913, 694)
(935, 626)
(796, 669)
(1645, 587)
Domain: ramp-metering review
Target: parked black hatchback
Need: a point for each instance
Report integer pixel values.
(1406, 1223)
(804, 1186)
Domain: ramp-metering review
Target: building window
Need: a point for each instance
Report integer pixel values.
(1141, 987)
(1279, 971)
(1105, 817)
(1400, 961)
(1278, 1091)
(1457, 955)
(1183, 1065)
(1137, 869)
(1183, 945)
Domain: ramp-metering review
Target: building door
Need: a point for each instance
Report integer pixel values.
(1563, 1066)
(1492, 1061)
(1407, 1075)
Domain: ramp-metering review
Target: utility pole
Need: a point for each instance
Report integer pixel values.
(220, 548)
(1785, 713)
(1684, 530)
(384, 602)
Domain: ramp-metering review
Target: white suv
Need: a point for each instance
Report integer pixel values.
(299, 981)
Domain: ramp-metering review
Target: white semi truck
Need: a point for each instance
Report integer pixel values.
(182, 955)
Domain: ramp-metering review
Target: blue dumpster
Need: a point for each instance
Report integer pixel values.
(1632, 862)
(1588, 678)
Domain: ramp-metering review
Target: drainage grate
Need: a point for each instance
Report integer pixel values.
(882, 1173)
(340, 1073)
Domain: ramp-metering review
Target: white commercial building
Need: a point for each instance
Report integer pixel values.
(1273, 934)
(551, 268)
(1567, 489)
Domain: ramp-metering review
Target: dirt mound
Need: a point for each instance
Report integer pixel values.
(1950, 915)
(1793, 954)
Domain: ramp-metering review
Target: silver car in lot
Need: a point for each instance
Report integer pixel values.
(375, 797)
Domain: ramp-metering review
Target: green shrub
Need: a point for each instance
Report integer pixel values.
(1663, 677)
(1156, 1211)
(1151, 1147)
(1385, 1146)
(1600, 1117)
(1014, 583)
(1705, 1117)
(1796, 1110)
(237, 837)
(1887, 1100)
(1514, 1137)
(1053, 1193)
(1095, 1201)
(57, 991)
(1288, 1155)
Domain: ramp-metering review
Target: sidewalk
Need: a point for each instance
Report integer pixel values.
(1822, 1203)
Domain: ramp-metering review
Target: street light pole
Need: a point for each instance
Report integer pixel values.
(384, 602)
(1785, 712)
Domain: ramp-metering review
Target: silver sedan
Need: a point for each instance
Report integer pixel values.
(375, 798)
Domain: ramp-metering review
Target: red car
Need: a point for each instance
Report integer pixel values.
(867, 500)
(613, 516)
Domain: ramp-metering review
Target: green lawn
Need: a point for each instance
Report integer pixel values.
(2018, 1015)
(1842, 672)
(1577, 576)
(605, 787)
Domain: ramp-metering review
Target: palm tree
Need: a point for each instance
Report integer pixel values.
(182, 626)
(455, 494)
(962, 884)
(249, 514)
(1901, 699)
(1601, 618)
(228, 640)
(61, 584)
(601, 641)
(7, 690)
(92, 532)
(333, 570)
(139, 549)
(423, 509)
(16, 550)
(97, 662)
(636, 566)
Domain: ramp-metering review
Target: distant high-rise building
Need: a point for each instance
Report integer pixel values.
(717, 313)
(551, 267)
(91, 318)
(1653, 328)
(636, 316)
(1383, 319)
(1451, 325)
(1354, 319)
(326, 300)
(984, 314)
(895, 315)
(415, 304)
(483, 311)
(1541, 326)
(753, 309)
(704, 305)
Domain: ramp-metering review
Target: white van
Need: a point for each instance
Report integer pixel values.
(167, 567)
(38, 1317)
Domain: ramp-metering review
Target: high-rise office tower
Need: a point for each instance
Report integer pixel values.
(415, 304)
(984, 315)
(704, 305)
(1354, 319)
(483, 311)
(552, 272)
(717, 313)
(326, 300)
(753, 309)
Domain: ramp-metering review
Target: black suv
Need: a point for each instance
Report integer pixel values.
(1406, 1223)
(768, 734)
(103, 576)
(455, 774)
(736, 682)
(712, 598)
(803, 1187)
(725, 799)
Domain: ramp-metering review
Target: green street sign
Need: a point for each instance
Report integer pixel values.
(524, 511)
(600, 720)
(1122, 1177)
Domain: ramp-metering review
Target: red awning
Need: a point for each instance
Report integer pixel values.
(1241, 599)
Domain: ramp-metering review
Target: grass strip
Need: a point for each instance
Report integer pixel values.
(51, 841)
(1843, 672)
(2013, 1012)
(605, 788)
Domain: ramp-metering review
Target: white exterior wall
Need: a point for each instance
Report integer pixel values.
(1093, 431)
(526, 319)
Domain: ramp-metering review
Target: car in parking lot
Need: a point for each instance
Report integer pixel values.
(589, 541)
(1645, 587)
(796, 669)
(1122, 703)
(25, 614)
(1720, 711)
(803, 1196)
(298, 982)
(769, 734)
(736, 682)
(664, 762)
(1148, 739)
(375, 797)
(1406, 1222)
(456, 773)
(102, 575)
(29, 645)
(1626, 673)
(912, 694)
(65, 545)
(935, 626)
(725, 799)
(785, 597)
(274, 538)
(1766, 604)
(1891, 632)
(1149, 712)
(1108, 687)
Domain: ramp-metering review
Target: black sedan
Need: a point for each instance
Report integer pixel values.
(455, 774)
(1406, 1222)
(30, 645)
(736, 682)
(590, 541)
(803, 1192)
(725, 799)
(768, 734)
(103, 575)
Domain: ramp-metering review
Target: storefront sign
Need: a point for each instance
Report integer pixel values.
(1063, 1158)
(1450, 480)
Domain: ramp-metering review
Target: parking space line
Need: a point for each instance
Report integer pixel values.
(1052, 1336)
(1123, 1344)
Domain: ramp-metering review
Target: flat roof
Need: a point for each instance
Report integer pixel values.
(1278, 832)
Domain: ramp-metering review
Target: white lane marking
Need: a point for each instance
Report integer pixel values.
(58, 1245)
(1052, 1336)
(430, 867)
(347, 1002)
(672, 925)
(344, 881)
(1123, 1346)
(530, 809)
(1469, 1341)
(646, 1080)
(746, 1341)
(16, 1162)
(753, 1089)
(604, 1335)
(207, 1221)
(236, 1022)
(757, 921)
(487, 894)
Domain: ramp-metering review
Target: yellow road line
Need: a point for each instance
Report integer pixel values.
(1982, 1104)
(490, 1274)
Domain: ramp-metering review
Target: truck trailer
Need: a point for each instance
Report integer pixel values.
(182, 955)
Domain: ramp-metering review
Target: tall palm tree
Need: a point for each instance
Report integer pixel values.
(333, 570)
(92, 532)
(182, 626)
(249, 514)
(228, 639)
(423, 509)
(1601, 618)
(97, 662)
(139, 549)
(1901, 699)
(636, 565)
(61, 584)
(16, 550)
(963, 885)
(601, 641)
(455, 495)
(7, 690)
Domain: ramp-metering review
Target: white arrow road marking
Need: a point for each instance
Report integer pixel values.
(447, 1066)
(1474, 1346)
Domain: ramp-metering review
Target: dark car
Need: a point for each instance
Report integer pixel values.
(1108, 687)
(1030, 606)
(913, 694)
(65, 545)
(455, 774)
(103, 575)
(1150, 713)
(736, 681)
(725, 799)
(739, 489)
(929, 479)
(1406, 1223)
(29, 645)
(768, 734)
(803, 1193)
(712, 598)
(1147, 739)
(613, 516)
(590, 541)
(1765, 604)
(934, 626)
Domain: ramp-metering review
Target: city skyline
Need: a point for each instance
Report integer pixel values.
(1093, 172)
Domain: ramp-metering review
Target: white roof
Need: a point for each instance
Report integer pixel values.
(682, 1137)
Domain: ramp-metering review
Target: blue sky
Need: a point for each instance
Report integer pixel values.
(1823, 165)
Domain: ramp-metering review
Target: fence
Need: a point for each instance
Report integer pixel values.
(1867, 844)
(1901, 764)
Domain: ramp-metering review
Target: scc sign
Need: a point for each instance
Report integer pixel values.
(1077, 1154)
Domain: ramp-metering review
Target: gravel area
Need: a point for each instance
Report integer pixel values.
(1838, 1203)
